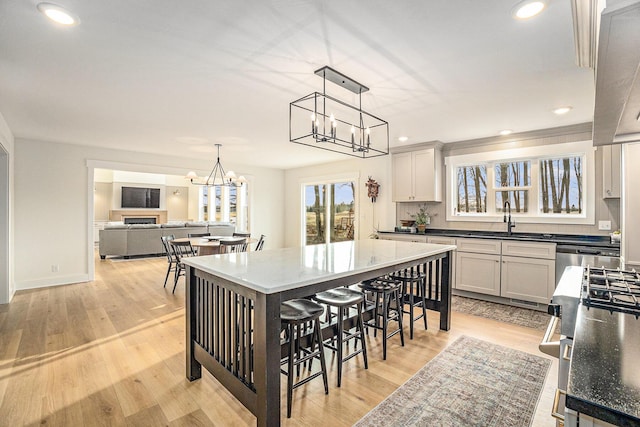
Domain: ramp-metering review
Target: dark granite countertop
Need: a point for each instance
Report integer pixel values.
(604, 377)
(561, 239)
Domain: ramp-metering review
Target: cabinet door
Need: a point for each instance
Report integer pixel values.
(484, 246)
(402, 170)
(611, 166)
(441, 240)
(423, 174)
(528, 279)
(529, 249)
(478, 273)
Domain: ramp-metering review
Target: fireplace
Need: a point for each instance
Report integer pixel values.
(140, 220)
(159, 215)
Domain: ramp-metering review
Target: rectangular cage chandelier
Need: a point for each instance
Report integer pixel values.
(322, 121)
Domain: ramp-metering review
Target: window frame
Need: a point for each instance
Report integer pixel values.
(535, 155)
(243, 204)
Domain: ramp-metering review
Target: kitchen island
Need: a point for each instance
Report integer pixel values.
(233, 301)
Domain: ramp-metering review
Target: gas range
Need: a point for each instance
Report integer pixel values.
(611, 289)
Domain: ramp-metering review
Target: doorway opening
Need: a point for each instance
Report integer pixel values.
(5, 278)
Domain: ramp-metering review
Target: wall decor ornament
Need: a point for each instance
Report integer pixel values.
(372, 189)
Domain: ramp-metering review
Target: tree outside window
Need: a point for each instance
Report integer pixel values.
(329, 212)
(561, 185)
(472, 189)
(512, 182)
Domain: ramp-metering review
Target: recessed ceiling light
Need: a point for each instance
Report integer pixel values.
(528, 9)
(403, 138)
(58, 14)
(506, 132)
(562, 110)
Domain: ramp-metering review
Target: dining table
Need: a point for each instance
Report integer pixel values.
(210, 245)
(232, 307)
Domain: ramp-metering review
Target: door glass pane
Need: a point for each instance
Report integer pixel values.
(314, 202)
(342, 208)
(204, 204)
(233, 202)
(218, 203)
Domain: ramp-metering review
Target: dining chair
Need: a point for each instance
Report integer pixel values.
(228, 246)
(171, 259)
(180, 250)
(241, 234)
(260, 243)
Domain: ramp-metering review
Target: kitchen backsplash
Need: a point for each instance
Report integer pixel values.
(605, 210)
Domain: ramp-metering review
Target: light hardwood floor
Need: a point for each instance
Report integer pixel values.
(111, 352)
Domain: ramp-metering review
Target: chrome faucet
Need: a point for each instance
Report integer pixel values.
(510, 225)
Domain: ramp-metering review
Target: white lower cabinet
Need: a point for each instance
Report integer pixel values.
(478, 273)
(527, 279)
(518, 270)
(441, 240)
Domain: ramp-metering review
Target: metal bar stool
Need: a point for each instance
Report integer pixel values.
(293, 314)
(342, 299)
(413, 294)
(385, 291)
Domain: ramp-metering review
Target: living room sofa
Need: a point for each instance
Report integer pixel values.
(126, 240)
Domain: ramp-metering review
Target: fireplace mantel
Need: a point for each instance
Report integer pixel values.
(121, 214)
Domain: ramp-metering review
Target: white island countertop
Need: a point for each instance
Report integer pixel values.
(278, 270)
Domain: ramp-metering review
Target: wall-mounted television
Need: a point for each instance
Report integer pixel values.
(139, 197)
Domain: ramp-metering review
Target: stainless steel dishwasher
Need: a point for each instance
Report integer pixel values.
(575, 255)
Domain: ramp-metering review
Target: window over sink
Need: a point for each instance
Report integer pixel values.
(551, 183)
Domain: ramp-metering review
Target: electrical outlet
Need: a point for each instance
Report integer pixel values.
(604, 225)
(55, 268)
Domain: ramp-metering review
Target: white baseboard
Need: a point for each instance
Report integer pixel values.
(56, 281)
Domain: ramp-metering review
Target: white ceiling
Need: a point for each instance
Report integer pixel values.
(171, 77)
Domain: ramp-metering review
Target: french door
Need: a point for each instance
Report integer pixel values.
(329, 212)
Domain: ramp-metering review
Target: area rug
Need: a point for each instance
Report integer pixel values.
(470, 383)
(500, 312)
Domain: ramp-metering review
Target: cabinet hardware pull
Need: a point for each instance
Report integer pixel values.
(567, 350)
(552, 348)
(556, 402)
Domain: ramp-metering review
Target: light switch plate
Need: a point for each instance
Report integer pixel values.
(604, 225)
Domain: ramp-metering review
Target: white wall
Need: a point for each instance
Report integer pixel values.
(52, 205)
(369, 216)
(7, 285)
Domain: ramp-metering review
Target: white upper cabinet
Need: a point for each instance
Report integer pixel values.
(417, 176)
(611, 165)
